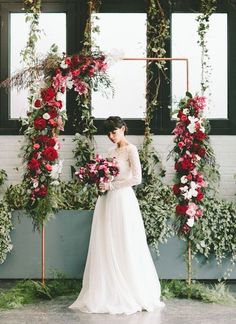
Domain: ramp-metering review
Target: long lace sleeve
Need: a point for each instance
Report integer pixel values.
(135, 177)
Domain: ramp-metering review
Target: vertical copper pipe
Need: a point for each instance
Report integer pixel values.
(189, 263)
(43, 254)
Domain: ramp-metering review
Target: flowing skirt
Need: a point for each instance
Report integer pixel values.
(120, 276)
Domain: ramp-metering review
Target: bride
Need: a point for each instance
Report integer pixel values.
(120, 276)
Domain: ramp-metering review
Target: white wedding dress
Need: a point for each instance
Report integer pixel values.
(120, 276)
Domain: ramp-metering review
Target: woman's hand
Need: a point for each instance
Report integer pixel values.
(103, 186)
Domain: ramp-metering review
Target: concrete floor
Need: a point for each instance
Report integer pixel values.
(176, 312)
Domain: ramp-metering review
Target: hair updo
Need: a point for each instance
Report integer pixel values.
(114, 122)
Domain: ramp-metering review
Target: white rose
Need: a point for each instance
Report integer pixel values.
(35, 184)
(59, 96)
(185, 111)
(191, 128)
(190, 222)
(46, 116)
(184, 179)
(63, 65)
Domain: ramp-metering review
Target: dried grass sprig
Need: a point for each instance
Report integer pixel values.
(25, 77)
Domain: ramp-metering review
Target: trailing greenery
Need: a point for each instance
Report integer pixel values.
(5, 223)
(216, 293)
(3, 176)
(215, 231)
(155, 199)
(208, 7)
(29, 292)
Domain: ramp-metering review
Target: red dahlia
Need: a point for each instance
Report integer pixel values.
(40, 123)
(50, 154)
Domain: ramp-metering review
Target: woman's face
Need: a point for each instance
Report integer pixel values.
(117, 135)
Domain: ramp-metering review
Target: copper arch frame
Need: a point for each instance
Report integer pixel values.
(124, 59)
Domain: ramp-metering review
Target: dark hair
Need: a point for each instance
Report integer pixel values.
(114, 122)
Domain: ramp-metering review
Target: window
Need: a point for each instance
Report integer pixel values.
(184, 44)
(128, 77)
(222, 46)
(18, 100)
(61, 15)
(129, 100)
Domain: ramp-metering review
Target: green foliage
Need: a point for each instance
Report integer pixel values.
(215, 231)
(208, 7)
(216, 293)
(3, 176)
(29, 291)
(84, 149)
(155, 199)
(75, 195)
(156, 48)
(5, 229)
(15, 196)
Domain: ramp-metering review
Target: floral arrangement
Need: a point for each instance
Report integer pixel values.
(98, 170)
(190, 149)
(46, 120)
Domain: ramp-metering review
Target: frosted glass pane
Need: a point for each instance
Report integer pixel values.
(53, 26)
(125, 34)
(184, 44)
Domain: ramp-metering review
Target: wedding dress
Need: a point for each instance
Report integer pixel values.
(120, 276)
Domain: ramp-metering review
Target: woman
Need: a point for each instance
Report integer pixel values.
(120, 276)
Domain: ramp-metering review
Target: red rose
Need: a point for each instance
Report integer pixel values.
(53, 113)
(185, 228)
(76, 72)
(68, 61)
(199, 195)
(50, 142)
(40, 123)
(176, 189)
(52, 122)
(201, 152)
(50, 154)
(33, 164)
(182, 116)
(43, 191)
(37, 103)
(187, 165)
(48, 94)
(74, 59)
(48, 167)
(181, 209)
(199, 135)
(181, 145)
(189, 177)
(58, 104)
(195, 147)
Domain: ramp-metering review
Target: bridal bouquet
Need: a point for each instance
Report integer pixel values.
(98, 170)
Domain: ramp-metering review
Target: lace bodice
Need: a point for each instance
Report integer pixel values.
(129, 165)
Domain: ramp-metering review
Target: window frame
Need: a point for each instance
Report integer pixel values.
(12, 126)
(76, 18)
(218, 126)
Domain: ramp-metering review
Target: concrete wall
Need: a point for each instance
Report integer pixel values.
(224, 147)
